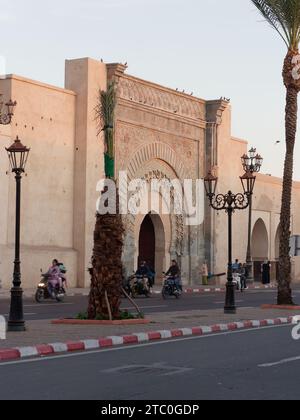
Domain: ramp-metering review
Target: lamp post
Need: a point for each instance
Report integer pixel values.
(5, 118)
(18, 155)
(229, 202)
(252, 163)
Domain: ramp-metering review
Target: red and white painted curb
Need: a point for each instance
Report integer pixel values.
(137, 338)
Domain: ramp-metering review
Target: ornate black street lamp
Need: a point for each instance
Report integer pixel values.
(230, 203)
(5, 118)
(251, 163)
(18, 155)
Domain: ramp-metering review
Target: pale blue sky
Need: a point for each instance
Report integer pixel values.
(214, 48)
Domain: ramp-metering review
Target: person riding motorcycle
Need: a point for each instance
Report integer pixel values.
(63, 272)
(174, 274)
(144, 272)
(151, 276)
(54, 278)
(143, 269)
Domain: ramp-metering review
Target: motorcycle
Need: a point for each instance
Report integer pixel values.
(171, 288)
(237, 281)
(42, 292)
(138, 286)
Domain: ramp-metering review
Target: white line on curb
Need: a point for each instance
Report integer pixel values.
(28, 351)
(59, 347)
(129, 347)
(116, 340)
(90, 344)
(165, 334)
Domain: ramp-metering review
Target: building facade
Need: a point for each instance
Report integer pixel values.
(159, 133)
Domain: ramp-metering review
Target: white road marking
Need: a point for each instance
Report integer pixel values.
(262, 290)
(37, 305)
(281, 362)
(135, 346)
(248, 307)
(26, 314)
(220, 303)
(148, 307)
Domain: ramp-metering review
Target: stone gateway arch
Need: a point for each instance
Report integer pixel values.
(165, 234)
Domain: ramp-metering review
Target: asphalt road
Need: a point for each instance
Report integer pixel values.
(76, 304)
(248, 365)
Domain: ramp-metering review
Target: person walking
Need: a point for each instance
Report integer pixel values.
(204, 273)
(244, 275)
(266, 272)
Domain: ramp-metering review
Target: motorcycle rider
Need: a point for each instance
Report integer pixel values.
(54, 278)
(63, 272)
(174, 274)
(151, 276)
(144, 271)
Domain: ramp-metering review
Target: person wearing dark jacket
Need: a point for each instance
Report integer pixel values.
(174, 272)
(266, 272)
(143, 270)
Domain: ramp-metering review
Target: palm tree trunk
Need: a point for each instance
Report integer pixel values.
(285, 268)
(106, 271)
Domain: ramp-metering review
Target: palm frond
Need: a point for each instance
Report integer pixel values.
(105, 108)
(284, 17)
(104, 115)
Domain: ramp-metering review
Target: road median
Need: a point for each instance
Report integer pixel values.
(58, 339)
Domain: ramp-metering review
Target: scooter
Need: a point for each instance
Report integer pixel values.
(138, 286)
(170, 288)
(42, 292)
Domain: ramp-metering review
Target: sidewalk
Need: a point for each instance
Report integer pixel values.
(163, 325)
(29, 293)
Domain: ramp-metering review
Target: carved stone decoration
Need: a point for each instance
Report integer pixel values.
(177, 221)
(141, 92)
(179, 234)
(128, 223)
(149, 145)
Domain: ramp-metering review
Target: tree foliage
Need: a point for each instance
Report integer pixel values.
(284, 17)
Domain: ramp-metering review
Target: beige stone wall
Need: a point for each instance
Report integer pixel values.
(44, 120)
(66, 162)
(86, 77)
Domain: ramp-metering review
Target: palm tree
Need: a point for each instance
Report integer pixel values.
(284, 17)
(105, 115)
(106, 271)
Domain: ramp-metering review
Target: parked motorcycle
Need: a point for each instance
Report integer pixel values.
(42, 292)
(170, 288)
(138, 286)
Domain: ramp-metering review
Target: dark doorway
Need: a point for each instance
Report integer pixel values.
(257, 270)
(147, 242)
(260, 247)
